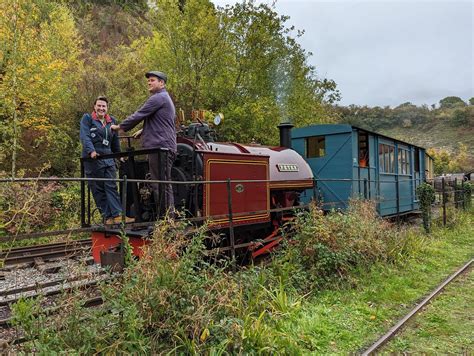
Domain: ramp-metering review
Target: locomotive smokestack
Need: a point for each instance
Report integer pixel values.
(285, 134)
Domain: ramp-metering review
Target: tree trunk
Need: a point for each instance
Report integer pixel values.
(14, 84)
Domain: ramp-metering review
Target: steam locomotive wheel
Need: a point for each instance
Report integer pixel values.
(180, 190)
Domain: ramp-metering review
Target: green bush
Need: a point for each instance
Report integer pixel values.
(331, 245)
(463, 195)
(426, 195)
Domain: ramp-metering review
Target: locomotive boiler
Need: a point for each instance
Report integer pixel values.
(249, 188)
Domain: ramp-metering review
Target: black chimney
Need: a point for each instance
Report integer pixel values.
(285, 134)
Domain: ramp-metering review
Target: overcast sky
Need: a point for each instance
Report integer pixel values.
(388, 52)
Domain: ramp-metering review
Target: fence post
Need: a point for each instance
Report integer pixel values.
(443, 192)
(161, 187)
(124, 199)
(463, 194)
(89, 202)
(83, 197)
(130, 164)
(397, 188)
(365, 188)
(315, 190)
(231, 224)
(456, 196)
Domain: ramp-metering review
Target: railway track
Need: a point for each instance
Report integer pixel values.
(17, 337)
(402, 322)
(48, 252)
(45, 271)
(77, 283)
(47, 284)
(56, 286)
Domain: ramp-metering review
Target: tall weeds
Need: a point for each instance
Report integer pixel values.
(328, 246)
(176, 300)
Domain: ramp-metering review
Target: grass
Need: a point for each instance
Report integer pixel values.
(350, 318)
(445, 326)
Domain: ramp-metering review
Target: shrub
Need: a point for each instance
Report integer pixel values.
(27, 207)
(463, 195)
(333, 244)
(426, 195)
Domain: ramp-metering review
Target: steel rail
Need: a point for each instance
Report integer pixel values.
(44, 234)
(40, 286)
(89, 303)
(73, 283)
(53, 247)
(46, 255)
(391, 333)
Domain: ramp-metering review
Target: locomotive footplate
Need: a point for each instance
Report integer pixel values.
(105, 240)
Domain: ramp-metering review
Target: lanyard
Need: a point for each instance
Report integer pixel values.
(104, 126)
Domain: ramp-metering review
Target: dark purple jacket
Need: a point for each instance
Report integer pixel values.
(159, 128)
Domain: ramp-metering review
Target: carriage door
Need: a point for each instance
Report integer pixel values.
(365, 169)
(405, 178)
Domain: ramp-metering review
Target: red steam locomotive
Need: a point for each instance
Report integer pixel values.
(243, 188)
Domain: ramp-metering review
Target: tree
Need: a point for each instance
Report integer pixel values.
(460, 160)
(108, 31)
(471, 101)
(445, 162)
(239, 60)
(441, 160)
(272, 68)
(38, 61)
(460, 117)
(451, 102)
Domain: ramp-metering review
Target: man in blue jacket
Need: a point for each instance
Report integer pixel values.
(159, 130)
(97, 139)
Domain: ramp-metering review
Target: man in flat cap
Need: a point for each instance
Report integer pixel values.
(159, 130)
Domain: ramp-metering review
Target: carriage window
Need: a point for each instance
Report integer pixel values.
(401, 153)
(380, 157)
(386, 158)
(315, 146)
(416, 160)
(403, 161)
(363, 149)
(391, 166)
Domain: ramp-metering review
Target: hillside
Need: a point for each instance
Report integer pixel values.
(436, 135)
(448, 130)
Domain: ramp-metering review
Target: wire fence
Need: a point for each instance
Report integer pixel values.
(400, 198)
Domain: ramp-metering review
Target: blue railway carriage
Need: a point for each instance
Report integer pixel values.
(348, 161)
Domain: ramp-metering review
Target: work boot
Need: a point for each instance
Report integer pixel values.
(118, 220)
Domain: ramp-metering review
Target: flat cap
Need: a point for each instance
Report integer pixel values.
(155, 73)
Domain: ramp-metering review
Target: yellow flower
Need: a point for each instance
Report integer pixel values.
(205, 334)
